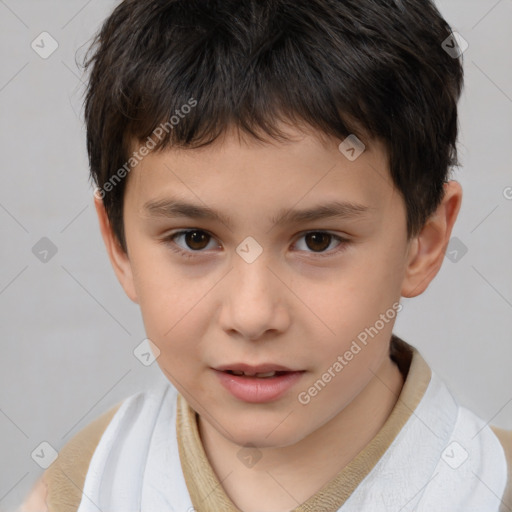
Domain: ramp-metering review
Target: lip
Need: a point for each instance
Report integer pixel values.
(258, 389)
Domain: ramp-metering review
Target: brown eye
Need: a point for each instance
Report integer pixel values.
(321, 244)
(189, 243)
(196, 240)
(318, 241)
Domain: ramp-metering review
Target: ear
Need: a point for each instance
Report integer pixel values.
(427, 249)
(118, 257)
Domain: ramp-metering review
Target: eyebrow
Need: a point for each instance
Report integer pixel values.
(335, 209)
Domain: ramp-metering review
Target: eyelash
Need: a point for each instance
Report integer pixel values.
(169, 241)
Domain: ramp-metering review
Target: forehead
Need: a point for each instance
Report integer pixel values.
(237, 173)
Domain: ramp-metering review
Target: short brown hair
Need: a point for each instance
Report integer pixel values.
(373, 68)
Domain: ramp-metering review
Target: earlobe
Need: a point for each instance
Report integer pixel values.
(427, 250)
(118, 257)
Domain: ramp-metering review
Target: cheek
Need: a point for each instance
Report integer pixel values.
(351, 297)
(172, 321)
(376, 278)
(358, 303)
(169, 302)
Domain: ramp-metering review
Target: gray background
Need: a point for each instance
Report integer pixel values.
(68, 331)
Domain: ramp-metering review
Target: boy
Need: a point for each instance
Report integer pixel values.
(228, 139)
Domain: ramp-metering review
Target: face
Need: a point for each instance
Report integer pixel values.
(257, 258)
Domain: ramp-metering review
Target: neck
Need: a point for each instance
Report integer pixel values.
(288, 476)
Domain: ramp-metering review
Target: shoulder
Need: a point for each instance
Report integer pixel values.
(505, 438)
(60, 486)
(36, 500)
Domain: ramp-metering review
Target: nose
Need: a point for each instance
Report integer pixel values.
(254, 300)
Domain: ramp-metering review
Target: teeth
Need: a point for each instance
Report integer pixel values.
(258, 375)
(263, 375)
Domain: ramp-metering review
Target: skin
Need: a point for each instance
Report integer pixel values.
(291, 306)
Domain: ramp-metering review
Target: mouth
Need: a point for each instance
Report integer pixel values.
(258, 384)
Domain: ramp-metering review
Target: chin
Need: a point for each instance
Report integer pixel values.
(265, 434)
